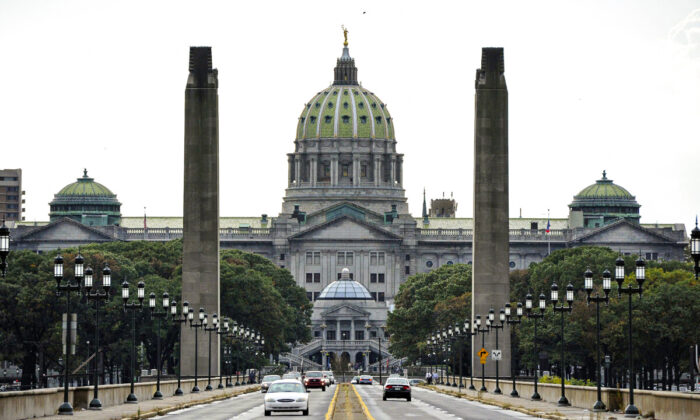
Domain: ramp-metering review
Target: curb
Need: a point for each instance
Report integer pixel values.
(362, 403)
(496, 403)
(331, 407)
(162, 411)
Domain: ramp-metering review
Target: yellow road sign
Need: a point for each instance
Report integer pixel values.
(483, 354)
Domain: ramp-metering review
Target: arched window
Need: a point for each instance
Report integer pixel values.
(346, 119)
(328, 119)
(363, 119)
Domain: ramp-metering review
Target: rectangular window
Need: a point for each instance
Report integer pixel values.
(317, 258)
(373, 334)
(408, 269)
(313, 258)
(380, 297)
(317, 334)
(341, 258)
(317, 277)
(316, 295)
(309, 258)
(374, 295)
(309, 277)
(380, 257)
(344, 259)
(380, 277)
(310, 296)
(408, 257)
(345, 170)
(363, 171)
(281, 257)
(372, 258)
(330, 335)
(348, 258)
(373, 278)
(345, 335)
(359, 335)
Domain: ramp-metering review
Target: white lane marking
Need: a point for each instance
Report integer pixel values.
(506, 412)
(243, 415)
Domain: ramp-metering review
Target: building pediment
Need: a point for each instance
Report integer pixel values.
(346, 228)
(65, 229)
(623, 232)
(344, 310)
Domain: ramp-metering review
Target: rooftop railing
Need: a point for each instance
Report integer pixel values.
(166, 234)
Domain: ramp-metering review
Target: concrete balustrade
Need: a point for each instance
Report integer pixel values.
(45, 402)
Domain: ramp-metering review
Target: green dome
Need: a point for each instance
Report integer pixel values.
(87, 202)
(85, 186)
(345, 112)
(605, 202)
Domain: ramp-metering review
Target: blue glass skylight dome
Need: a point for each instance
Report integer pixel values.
(345, 289)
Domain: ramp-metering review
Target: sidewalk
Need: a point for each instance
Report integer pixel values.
(542, 409)
(151, 408)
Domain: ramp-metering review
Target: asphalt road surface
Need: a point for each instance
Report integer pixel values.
(250, 406)
(425, 404)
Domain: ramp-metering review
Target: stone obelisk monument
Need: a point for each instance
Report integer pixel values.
(490, 284)
(200, 261)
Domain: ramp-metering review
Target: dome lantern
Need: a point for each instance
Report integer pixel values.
(345, 289)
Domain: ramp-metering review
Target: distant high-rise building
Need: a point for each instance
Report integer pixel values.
(11, 194)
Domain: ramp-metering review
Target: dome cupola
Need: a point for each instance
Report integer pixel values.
(87, 202)
(345, 289)
(602, 203)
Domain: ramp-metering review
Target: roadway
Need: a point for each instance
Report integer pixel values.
(425, 404)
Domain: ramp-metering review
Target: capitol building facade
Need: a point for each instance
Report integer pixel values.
(345, 231)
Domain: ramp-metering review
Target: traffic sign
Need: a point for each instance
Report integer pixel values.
(496, 354)
(483, 354)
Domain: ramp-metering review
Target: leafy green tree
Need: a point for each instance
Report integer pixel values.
(426, 302)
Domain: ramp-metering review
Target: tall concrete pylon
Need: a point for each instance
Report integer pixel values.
(200, 260)
(490, 284)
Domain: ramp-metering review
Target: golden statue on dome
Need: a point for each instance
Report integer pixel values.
(345, 34)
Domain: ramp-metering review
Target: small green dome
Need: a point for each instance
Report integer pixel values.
(605, 202)
(85, 186)
(87, 202)
(604, 188)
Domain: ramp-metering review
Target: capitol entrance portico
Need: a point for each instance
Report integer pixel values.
(348, 326)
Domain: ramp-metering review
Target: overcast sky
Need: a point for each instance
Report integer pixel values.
(593, 85)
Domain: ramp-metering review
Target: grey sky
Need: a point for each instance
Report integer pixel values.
(593, 85)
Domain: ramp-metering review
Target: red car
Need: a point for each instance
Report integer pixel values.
(315, 379)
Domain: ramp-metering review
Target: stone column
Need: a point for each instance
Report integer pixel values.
(377, 171)
(314, 171)
(337, 329)
(297, 169)
(490, 283)
(355, 170)
(334, 170)
(352, 331)
(290, 161)
(200, 262)
(392, 179)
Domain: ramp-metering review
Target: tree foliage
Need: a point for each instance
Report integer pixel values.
(426, 302)
(254, 292)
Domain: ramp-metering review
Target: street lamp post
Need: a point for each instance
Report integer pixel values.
(133, 307)
(454, 332)
(483, 332)
(446, 340)
(694, 247)
(97, 296)
(470, 330)
(159, 315)
(4, 247)
(379, 342)
(510, 320)
(220, 332)
(179, 320)
(66, 408)
(196, 326)
(588, 285)
(214, 327)
(535, 316)
(501, 319)
(640, 271)
(554, 297)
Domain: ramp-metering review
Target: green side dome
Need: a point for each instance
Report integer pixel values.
(85, 186)
(345, 109)
(87, 202)
(605, 202)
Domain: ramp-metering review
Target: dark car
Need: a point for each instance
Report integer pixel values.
(267, 380)
(315, 379)
(397, 388)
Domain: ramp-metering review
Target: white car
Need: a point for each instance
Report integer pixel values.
(329, 374)
(287, 395)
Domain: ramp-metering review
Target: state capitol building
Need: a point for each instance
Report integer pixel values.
(345, 231)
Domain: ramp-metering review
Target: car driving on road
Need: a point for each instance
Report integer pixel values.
(292, 375)
(329, 375)
(315, 379)
(397, 388)
(286, 395)
(267, 380)
(365, 380)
